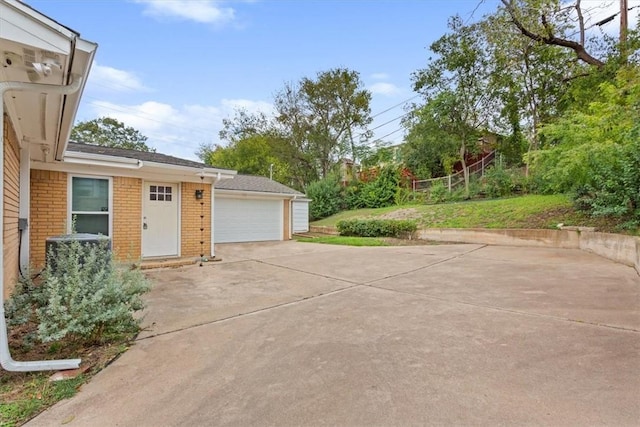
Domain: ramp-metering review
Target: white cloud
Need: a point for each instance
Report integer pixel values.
(202, 11)
(380, 76)
(111, 79)
(177, 131)
(387, 89)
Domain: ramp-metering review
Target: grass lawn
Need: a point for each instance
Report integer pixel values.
(530, 211)
(345, 240)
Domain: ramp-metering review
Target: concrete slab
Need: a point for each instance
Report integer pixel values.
(434, 335)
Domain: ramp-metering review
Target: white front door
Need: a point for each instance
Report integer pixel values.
(160, 220)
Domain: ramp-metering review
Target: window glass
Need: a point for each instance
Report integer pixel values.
(90, 205)
(90, 194)
(95, 224)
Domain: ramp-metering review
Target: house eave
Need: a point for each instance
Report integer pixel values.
(260, 194)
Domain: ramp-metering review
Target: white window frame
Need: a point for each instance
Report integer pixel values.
(70, 212)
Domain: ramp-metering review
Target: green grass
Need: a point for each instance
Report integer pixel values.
(344, 240)
(531, 211)
(37, 395)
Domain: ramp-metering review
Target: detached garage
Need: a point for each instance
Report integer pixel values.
(253, 209)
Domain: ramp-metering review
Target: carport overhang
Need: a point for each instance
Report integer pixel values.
(44, 68)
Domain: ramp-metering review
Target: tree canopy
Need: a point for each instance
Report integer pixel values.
(317, 122)
(110, 132)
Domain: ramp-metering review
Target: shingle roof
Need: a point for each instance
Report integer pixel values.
(255, 183)
(134, 154)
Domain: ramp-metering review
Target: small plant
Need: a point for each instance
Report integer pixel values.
(438, 192)
(497, 182)
(377, 228)
(82, 296)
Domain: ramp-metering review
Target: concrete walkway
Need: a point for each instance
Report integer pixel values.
(303, 334)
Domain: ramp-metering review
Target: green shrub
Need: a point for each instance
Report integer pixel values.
(438, 192)
(83, 296)
(377, 228)
(497, 182)
(325, 198)
(351, 196)
(382, 191)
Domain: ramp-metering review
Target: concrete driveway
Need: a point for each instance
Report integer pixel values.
(302, 334)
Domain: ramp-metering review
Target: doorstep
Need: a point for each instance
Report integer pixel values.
(150, 264)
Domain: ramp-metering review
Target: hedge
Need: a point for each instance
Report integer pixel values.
(376, 228)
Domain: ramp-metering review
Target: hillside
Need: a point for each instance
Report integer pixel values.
(531, 211)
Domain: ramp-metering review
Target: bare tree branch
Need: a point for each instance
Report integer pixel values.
(550, 38)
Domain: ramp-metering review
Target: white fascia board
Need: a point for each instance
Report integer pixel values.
(78, 155)
(252, 194)
(21, 24)
(84, 53)
(207, 172)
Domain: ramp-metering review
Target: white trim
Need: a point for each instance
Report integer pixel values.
(70, 199)
(242, 194)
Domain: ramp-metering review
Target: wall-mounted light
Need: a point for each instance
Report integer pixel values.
(199, 194)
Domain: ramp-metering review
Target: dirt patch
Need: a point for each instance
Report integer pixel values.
(406, 213)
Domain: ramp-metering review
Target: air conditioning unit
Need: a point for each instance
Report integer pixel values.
(53, 243)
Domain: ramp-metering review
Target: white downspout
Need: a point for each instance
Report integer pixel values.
(5, 356)
(213, 192)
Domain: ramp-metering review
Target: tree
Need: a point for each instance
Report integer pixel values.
(528, 81)
(317, 122)
(252, 155)
(456, 80)
(110, 132)
(321, 117)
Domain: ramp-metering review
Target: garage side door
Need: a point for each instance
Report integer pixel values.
(300, 217)
(247, 220)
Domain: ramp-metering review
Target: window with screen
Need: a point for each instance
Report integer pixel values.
(90, 205)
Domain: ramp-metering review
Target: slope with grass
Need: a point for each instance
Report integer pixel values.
(530, 211)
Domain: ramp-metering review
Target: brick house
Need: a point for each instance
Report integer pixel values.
(150, 204)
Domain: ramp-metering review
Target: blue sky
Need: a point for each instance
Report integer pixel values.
(174, 69)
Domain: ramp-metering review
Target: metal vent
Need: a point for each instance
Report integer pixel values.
(29, 57)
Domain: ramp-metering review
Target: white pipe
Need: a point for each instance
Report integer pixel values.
(133, 165)
(5, 356)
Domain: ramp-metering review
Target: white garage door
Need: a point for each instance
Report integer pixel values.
(247, 220)
(300, 216)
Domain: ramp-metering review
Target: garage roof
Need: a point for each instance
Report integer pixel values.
(255, 183)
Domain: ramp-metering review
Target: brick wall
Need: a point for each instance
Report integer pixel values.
(48, 211)
(191, 221)
(127, 218)
(11, 205)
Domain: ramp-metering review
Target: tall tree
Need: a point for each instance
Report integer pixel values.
(527, 78)
(110, 133)
(317, 122)
(457, 79)
(326, 117)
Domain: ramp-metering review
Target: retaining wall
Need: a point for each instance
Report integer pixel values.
(616, 247)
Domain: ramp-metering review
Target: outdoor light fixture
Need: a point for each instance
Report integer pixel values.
(199, 194)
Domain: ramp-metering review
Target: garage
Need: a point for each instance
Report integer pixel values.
(252, 209)
(247, 220)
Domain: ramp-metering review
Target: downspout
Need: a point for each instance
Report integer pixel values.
(5, 356)
(213, 190)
